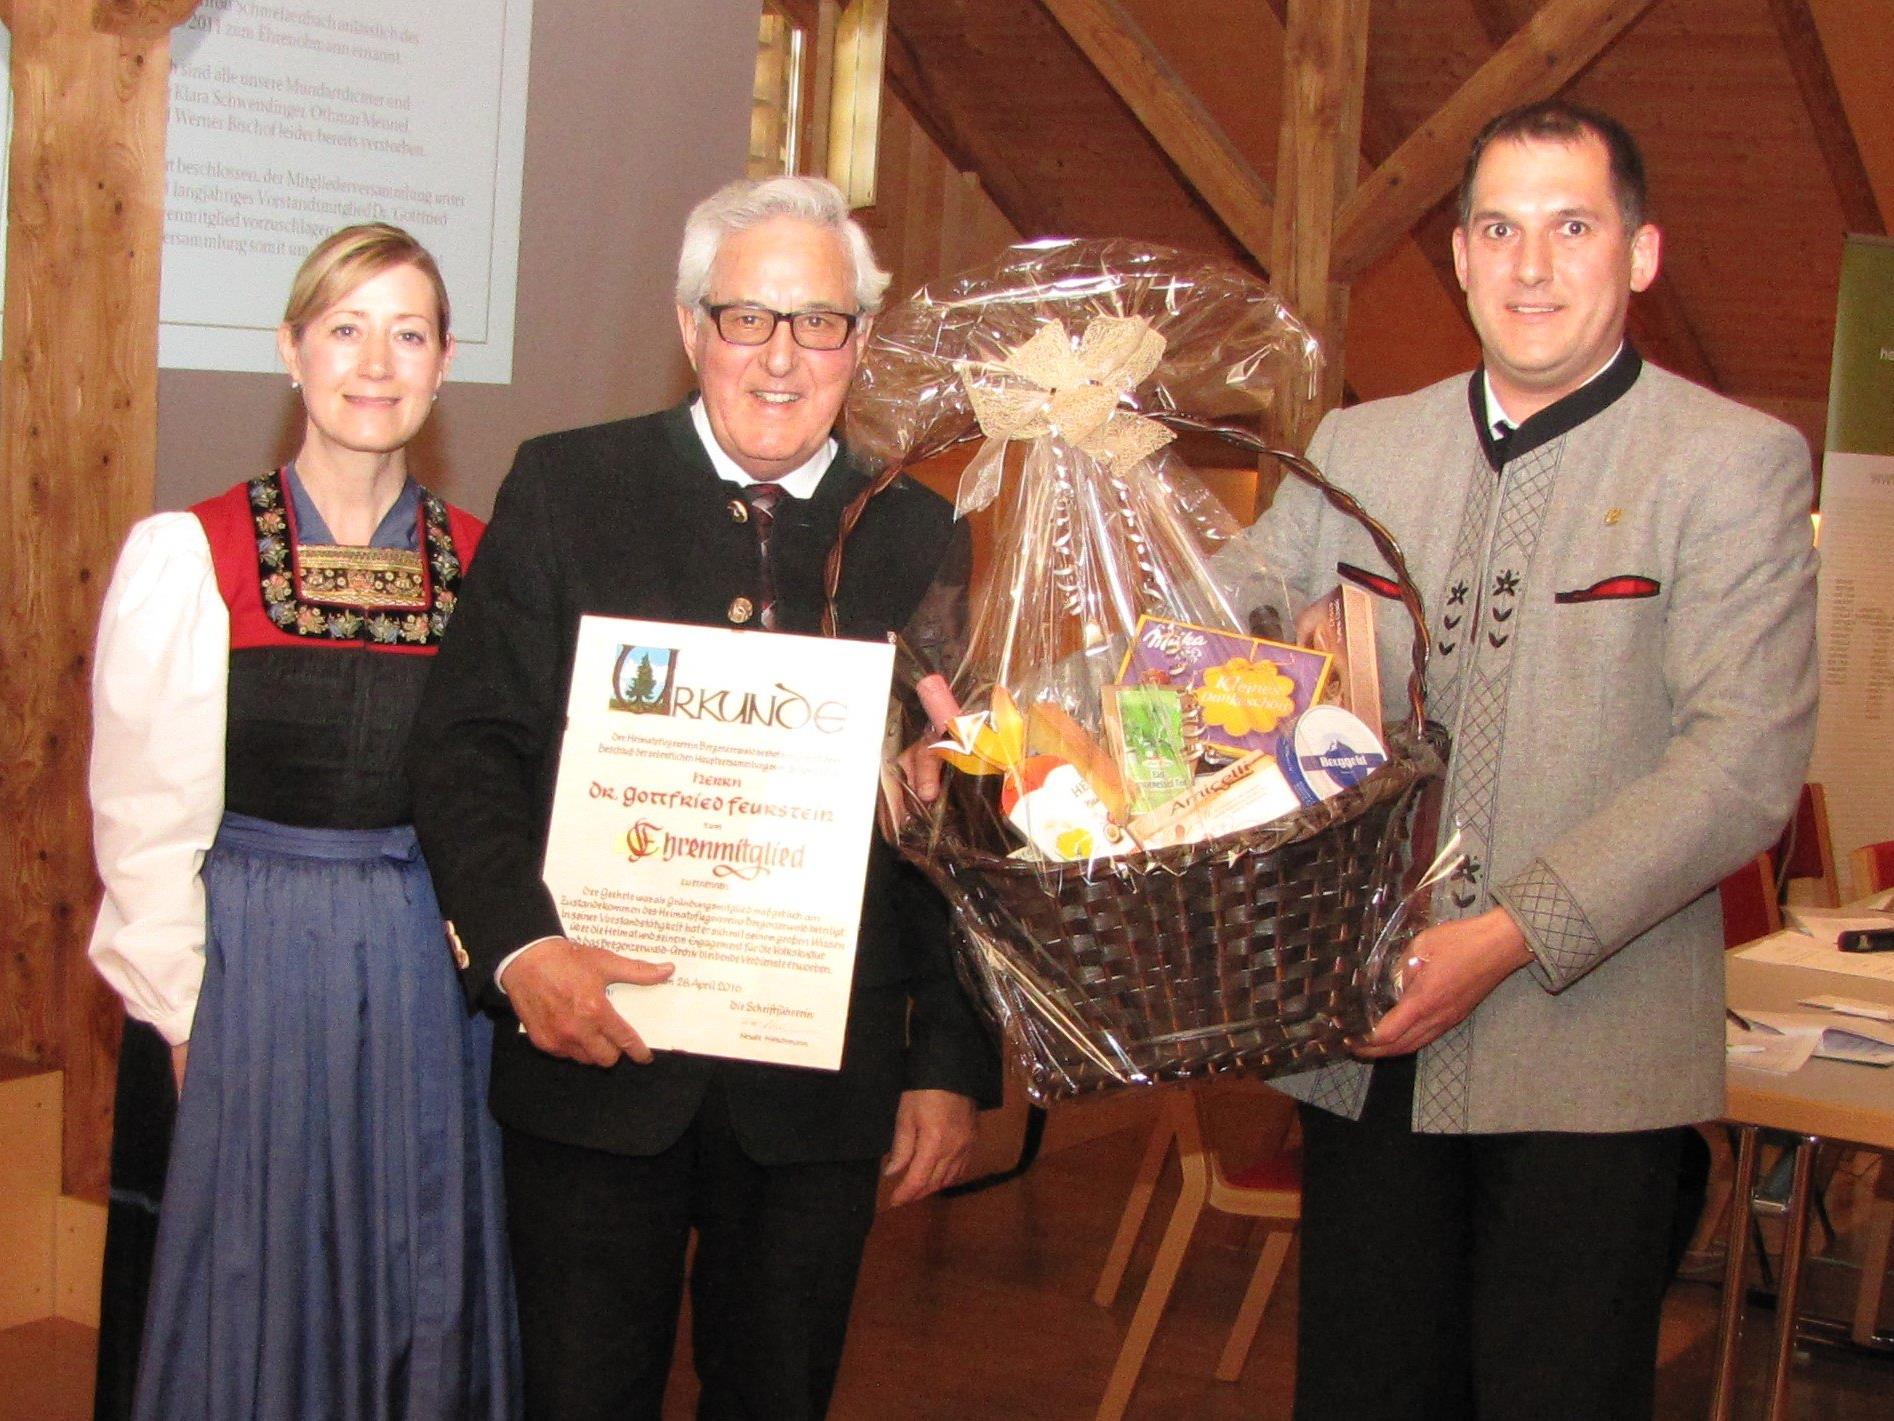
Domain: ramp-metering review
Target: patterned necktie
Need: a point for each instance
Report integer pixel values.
(763, 499)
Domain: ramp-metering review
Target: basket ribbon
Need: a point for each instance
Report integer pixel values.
(1048, 388)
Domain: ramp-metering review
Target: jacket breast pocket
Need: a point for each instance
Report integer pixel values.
(1619, 587)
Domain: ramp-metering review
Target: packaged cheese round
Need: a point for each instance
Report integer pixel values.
(1329, 750)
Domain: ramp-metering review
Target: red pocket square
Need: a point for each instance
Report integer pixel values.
(1613, 589)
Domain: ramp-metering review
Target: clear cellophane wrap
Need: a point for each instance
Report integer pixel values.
(1107, 963)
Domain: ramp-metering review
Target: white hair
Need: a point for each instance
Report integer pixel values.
(750, 202)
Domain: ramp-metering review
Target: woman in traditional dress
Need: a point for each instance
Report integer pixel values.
(330, 1242)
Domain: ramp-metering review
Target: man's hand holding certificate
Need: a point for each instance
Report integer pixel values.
(713, 810)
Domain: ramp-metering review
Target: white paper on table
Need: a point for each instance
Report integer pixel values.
(1769, 1051)
(1793, 949)
(1826, 925)
(1867, 1043)
(1850, 1006)
(714, 809)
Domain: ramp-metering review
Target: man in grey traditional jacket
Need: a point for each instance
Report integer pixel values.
(1617, 570)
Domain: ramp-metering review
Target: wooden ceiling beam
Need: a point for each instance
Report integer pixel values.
(1802, 45)
(1173, 116)
(1662, 330)
(1554, 46)
(1497, 18)
(906, 76)
(970, 147)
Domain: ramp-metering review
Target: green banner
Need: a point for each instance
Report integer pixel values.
(1861, 385)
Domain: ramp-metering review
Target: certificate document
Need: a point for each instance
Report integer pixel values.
(714, 807)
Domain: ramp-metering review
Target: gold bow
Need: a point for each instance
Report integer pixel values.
(1048, 387)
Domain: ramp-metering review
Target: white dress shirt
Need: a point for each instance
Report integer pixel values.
(1499, 424)
(800, 482)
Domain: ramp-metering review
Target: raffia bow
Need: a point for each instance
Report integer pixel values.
(1046, 387)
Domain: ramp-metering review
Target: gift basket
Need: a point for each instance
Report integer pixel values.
(1167, 834)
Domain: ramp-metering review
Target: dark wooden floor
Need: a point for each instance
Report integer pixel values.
(979, 1309)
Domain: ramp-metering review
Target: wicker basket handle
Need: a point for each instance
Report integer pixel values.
(851, 515)
(1233, 434)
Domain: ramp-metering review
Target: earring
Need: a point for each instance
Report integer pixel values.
(295, 384)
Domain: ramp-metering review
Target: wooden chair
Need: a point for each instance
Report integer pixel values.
(1750, 909)
(1805, 850)
(1874, 867)
(1270, 1190)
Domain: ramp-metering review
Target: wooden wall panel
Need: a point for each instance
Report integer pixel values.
(1218, 173)
(78, 395)
(1059, 150)
(929, 218)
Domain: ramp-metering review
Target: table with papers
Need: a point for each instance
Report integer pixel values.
(1824, 1099)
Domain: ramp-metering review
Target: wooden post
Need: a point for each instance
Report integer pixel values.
(78, 446)
(1325, 60)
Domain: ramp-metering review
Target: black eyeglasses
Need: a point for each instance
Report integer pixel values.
(754, 325)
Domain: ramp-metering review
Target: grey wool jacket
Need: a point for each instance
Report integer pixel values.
(1621, 605)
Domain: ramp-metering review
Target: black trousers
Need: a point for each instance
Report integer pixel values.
(598, 1244)
(1500, 1277)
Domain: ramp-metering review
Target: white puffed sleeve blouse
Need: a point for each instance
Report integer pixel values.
(159, 681)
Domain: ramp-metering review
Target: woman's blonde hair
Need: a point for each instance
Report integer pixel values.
(343, 260)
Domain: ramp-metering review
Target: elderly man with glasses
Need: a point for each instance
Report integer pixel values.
(718, 512)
